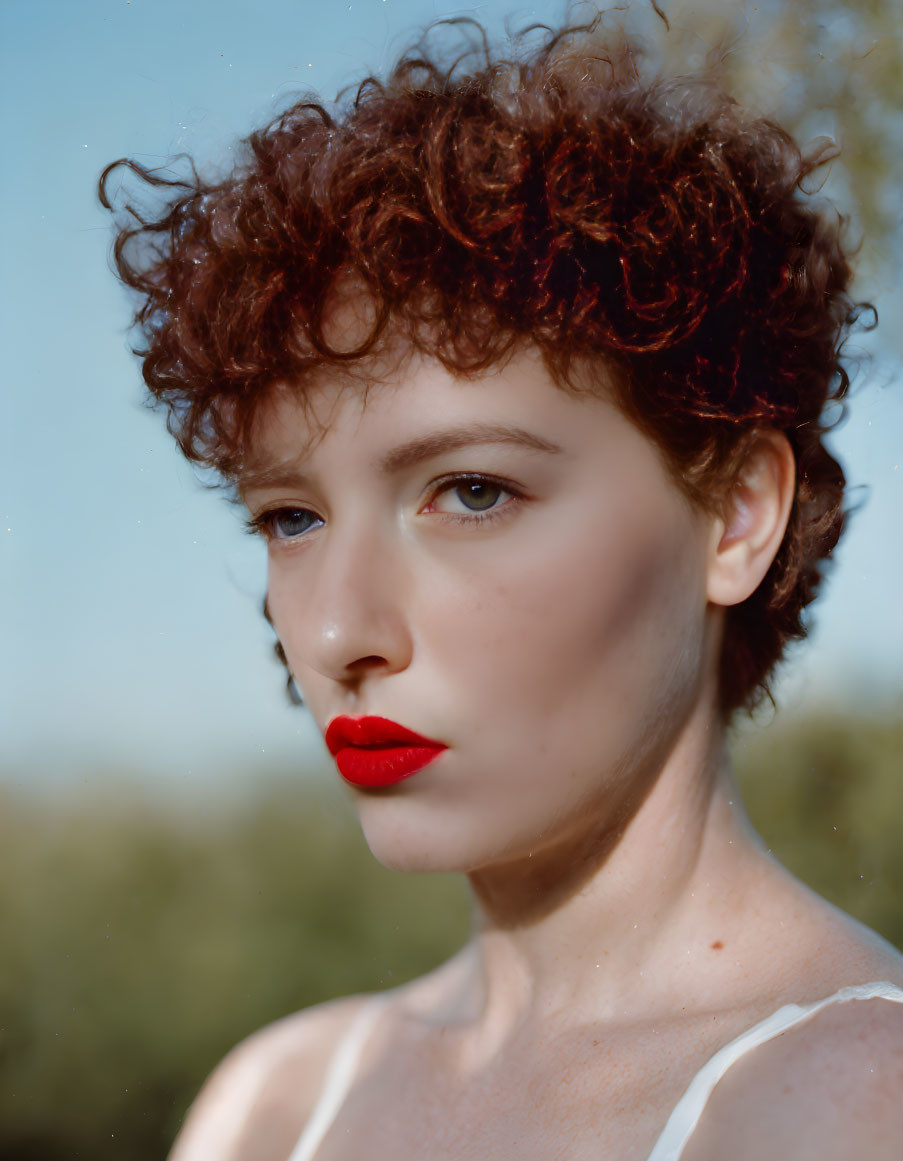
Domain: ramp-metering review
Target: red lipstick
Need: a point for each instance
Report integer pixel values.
(378, 752)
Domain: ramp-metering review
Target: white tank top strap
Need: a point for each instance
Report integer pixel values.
(689, 1108)
(340, 1073)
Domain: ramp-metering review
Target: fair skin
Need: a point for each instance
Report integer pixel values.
(511, 569)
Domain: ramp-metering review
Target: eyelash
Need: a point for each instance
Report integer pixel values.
(265, 523)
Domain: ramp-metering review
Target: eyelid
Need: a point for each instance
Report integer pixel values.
(451, 478)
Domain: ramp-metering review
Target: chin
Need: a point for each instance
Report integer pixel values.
(416, 854)
(412, 841)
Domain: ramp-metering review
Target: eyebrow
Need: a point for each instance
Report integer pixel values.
(414, 452)
(437, 442)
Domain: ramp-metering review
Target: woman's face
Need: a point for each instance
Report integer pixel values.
(500, 566)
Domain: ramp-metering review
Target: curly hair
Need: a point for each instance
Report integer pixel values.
(558, 199)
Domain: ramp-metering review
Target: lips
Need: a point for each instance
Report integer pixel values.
(373, 751)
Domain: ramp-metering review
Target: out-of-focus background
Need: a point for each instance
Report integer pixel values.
(178, 865)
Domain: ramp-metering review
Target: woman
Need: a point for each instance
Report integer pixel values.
(519, 370)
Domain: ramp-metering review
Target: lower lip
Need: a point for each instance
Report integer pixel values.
(383, 765)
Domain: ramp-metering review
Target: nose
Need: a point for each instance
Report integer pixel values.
(341, 614)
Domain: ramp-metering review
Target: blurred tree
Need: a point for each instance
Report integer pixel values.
(826, 794)
(822, 68)
(139, 946)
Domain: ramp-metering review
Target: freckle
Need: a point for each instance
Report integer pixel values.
(717, 945)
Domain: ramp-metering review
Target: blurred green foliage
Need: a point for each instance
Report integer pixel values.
(139, 946)
(139, 943)
(824, 69)
(826, 793)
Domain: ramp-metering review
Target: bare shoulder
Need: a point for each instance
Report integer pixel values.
(256, 1102)
(828, 1088)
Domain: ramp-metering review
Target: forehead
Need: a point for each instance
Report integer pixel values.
(410, 396)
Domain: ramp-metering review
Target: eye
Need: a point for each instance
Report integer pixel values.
(285, 523)
(470, 496)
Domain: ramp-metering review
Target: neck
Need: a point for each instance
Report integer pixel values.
(640, 910)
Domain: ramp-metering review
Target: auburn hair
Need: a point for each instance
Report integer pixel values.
(560, 199)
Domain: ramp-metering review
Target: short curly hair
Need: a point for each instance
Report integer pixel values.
(557, 199)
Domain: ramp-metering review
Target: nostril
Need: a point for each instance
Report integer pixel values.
(374, 661)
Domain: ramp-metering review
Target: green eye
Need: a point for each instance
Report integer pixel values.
(478, 495)
(470, 497)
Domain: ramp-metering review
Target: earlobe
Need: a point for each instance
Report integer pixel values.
(746, 537)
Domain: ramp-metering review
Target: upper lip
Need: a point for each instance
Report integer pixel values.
(373, 732)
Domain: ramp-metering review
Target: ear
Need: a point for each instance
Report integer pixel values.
(746, 537)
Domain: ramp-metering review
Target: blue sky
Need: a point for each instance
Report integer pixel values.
(132, 639)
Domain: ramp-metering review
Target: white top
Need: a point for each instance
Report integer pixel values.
(688, 1110)
(683, 1120)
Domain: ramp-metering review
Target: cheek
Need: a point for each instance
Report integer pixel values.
(283, 606)
(580, 664)
(295, 623)
(610, 607)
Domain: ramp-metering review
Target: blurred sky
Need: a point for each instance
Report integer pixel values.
(132, 641)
